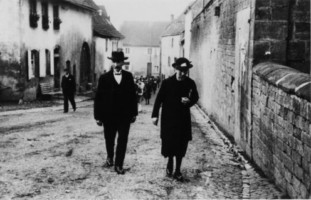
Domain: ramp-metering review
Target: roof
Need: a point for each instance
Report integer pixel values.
(176, 27)
(102, 27)
(87, 4)
(103, 9)
(142, 33)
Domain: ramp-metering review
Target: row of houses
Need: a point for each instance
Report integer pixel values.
(252, 68)
(39, 37)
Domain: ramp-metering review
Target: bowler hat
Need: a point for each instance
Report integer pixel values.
(117, 56)
(182, 64)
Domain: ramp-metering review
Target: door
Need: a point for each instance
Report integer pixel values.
(242, 80)
(149, 69)
(85, 67)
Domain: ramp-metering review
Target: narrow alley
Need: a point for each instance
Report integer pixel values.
(46, 154)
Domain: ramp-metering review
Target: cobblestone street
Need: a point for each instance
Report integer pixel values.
(46, 154)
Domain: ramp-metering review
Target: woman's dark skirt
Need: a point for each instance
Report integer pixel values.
(172, 148)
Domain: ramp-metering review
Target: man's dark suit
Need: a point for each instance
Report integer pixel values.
(115, 105)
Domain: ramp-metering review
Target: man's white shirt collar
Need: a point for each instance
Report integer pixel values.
(118, 78)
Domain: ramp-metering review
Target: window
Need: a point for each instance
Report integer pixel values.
(172, 42)
(127, 50)
(45, 16)
(47, 62)
(149, 50)
(56, 20)
(169, 61)
(33, 16)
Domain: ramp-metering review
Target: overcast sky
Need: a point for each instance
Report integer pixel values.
(143, 10)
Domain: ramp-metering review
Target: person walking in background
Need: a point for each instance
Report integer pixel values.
(115, 107)
(147, 91)
(176, 95)
(69, 88)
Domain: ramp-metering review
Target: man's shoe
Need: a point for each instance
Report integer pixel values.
(178, 176)
(65, 111)
(74, 110)
(169, 172)
(108, 163)
(119, 170)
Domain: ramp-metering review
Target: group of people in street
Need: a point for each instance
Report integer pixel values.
(145, 88)
(116, 106)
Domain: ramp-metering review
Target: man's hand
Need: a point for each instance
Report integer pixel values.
(185, 100)
(133, 119)
(99, 123)
(155, 121)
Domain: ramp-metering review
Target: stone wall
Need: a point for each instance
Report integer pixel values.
(281, 118)
(282, 33)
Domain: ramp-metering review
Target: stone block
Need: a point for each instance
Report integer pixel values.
(306, 139)
(305, 165)
(296, 102)
(291, 191)
(298, 171)
(297, 133)
(306, 180)
(296, 157)
(307, 153)
(263, 13)
(303, 192)
(296, 184)
(280, 12)
(288, 175)
(270, 30)
(298, 146)
(297, 50)
(309, 112)
(288, 163)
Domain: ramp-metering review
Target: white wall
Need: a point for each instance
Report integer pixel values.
(9, 30)
(169, 51)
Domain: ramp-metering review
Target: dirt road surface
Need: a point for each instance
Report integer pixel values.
(46, 154)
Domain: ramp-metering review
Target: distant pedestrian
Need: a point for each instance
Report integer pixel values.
(115, 107)
(176, 95)
(69, 88)
(147, 91)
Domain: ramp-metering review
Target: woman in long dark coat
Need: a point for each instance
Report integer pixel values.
(176, 95)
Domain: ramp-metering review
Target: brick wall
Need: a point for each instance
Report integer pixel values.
(281, 113)
(282, 33)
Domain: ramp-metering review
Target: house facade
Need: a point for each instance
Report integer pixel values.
(37, 40)
(142, 46)
(172, 45)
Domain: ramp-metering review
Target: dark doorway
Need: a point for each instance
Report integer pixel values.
(57, 67)
(85, 68)
(149, 69)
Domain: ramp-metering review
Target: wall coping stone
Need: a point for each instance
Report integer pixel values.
(290, 80)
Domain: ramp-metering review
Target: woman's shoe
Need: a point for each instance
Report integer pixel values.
(178, 176)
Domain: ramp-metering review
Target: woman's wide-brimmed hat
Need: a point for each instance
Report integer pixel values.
(182, 64)
(117, 56)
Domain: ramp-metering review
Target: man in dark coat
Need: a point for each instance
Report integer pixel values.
(115, 107)
(69, 88)
(176, 95)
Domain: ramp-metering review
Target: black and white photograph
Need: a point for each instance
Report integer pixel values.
(155, 99)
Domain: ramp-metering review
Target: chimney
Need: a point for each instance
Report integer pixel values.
(172, 17)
